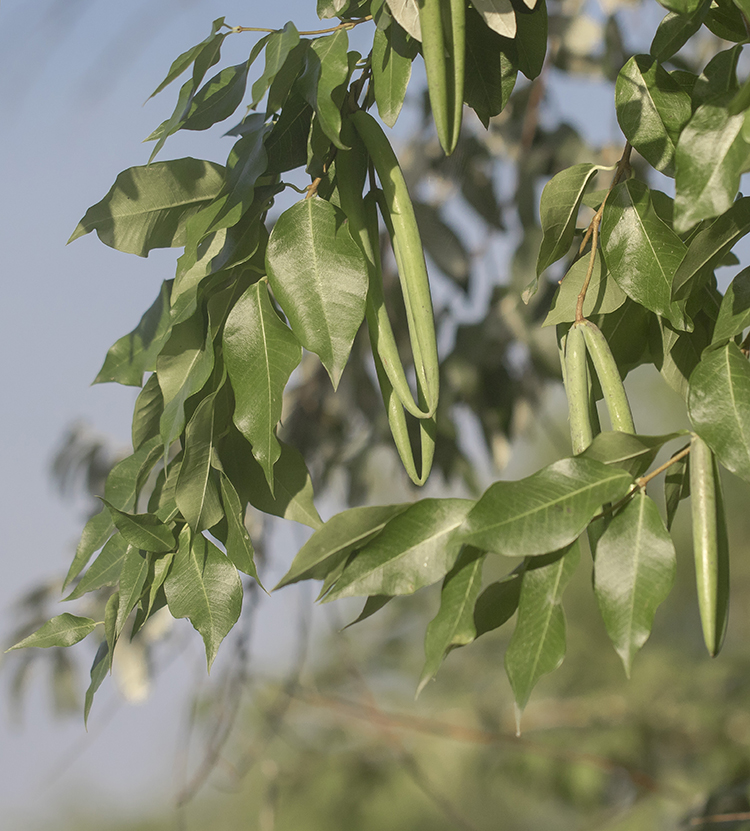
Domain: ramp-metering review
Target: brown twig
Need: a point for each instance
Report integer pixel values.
(349, 24)
(738, 817)
(644, 480)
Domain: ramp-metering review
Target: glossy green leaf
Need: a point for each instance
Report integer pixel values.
(709, 247)
(676, 487)
(454, 623)
(204, 587)
(157, 574)
(105, 570)
(652, 109)
(719, 406)
(635, 454)
(633, 573)
(196, 492)
(147, 412)
(676, 354)
(392, 55)
(726, 21)
(675, 30)
(135, 353)
(132, 582)
(145, 531)
(711, 155)
(127, 478)
(336, 539)
(238, 544)
(260, 353)
(641, 251)
(147, 207)
(538, 642)
(561, 199)
(602, 296)
(718, 79)
(734, 312)
(61, 630)
(416, 548)
(319, 276)
(498, 15)
(331, 51)
(331, 8)
(544, 512)
(278, 47)
(686, 7)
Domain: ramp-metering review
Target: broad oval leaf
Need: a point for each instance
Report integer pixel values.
(633, 573)
(544, 512)
(392, 56)
(719, 406)
(416, 548)
(498, 15)
(148, 207)
(319, 276)
(406, 14)
(61, 630)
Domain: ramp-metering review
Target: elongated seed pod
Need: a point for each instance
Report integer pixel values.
(710, 544)
(577, 389)
(398, 214)
(609, 378)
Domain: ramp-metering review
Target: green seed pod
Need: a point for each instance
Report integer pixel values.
(577, 388)
(609, 378)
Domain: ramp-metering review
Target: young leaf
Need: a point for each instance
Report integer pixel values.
(260, 353)
(633, 573)
(454, 623)
(144, 531)
(392, 55)
(416, 548)
(546, 511)
(734, 312)
(719, 406)
(641, 251)
(204, 587)
(538, 642)
(336, 539)
(319, 276)
(147, 207)
(62, 630)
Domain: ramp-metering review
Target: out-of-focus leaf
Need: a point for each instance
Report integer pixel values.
(442, 244)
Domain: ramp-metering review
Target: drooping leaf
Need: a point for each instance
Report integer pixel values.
(406, 14)
(497, 604)
(372, 605)
(319, 276)
(633, 573)
(331, 52)
(218, 99)
(454, 623)
(95, 533)
(260, 353)
(531, 40)
(544, 512)
(238, 544)
(734, 312)
(538, 642)
(204, 587)
(278, 47)
(147, 207)
(145, 531)
(719, 406)
(392, 55)
(687, 7)
(635, 454)
(641, 251)
(718, 78)
(61, 630)
(147, 412)
(676, 354)
(131, 584)
(336, 539)
(105, 570)
(676, 487)
(99, 670)
(416, 548)
(498, 15)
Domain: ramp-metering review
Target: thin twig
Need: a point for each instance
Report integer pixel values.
(644, 480)
(349, 24)
(738, 817)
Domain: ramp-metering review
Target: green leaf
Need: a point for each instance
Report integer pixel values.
(676, 354)
(218, 99)
(726, 21)
(372, 604)
(675, 30)
(718, 78)
(127, 478)
(392, 56)
(709, 247)
(734, 312)
(61, 630)
(406, 14)
(531, 40)
(145, 531)
(633, 573)
(416, 548)
(95, 533)
(491, 69)
(204, 587)
(319, 276)
(687, 7)
(442, 244)
(641, 251)
(99, 670)
(603, 295)
(147, 412)
(719, 406)
(497, 604)
(498, 15)
(331, 52)
(676, 487)
(147, 207)
(558, 208)
(635, 454)
(238, 544)
(538, 642)
(711, 155)
(157, 574)
(105, 570)
(454, 623)
(544, 512)
(652, 109)
(260, 353)
(331, 8)
(135, 353)
(332, 543)
(278, 47)
(132, 581)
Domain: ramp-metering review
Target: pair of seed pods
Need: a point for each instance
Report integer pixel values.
(364, 135)
(710, 543)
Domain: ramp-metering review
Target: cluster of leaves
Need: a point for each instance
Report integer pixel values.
(226, 335)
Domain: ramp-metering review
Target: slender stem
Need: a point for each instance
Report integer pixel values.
(644, 480)
(349, 24)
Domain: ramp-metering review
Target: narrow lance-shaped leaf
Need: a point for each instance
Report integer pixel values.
(392, 56)
(719, 406)
(734, 312)
(105, 570)
(546, 511)
(145, 531)
(132, 581)
(676, 487)
(62, 630)
(278, 47)
(538, 642)
(633, 573)
(331, 51)
(238, 544)
(632, 453)
(416, 548)
(260, 353)
(319, 276)
(454, 623)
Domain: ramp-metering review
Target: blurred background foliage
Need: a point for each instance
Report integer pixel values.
(329, 735)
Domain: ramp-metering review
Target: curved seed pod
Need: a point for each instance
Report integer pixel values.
(577, 389)
(710, 544)
(609, 378)
(401, 223)
(443, 24)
